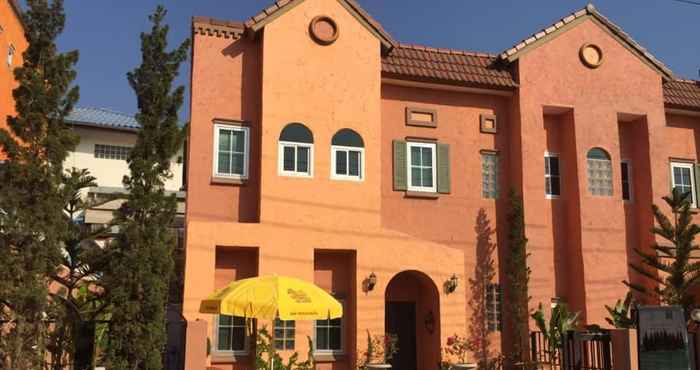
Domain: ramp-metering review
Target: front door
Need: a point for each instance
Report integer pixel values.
(401, 321)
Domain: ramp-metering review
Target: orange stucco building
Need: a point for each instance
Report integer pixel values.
(12, 45)
(323, 149)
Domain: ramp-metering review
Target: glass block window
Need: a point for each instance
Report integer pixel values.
(493, 307)
(231, 335)
(552, 177)
(599, 173)
(489, 175)
(231, 143)
(105, 151)
(626, 176)
(329, 334)
(683, 178)
(421, 167)
(284, 334)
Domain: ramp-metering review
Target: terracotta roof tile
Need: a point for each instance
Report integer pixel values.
(456, 67)
(684, 94)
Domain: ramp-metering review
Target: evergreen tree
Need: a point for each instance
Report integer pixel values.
(517, 278)
(140, 270)
(669, 266)
(484, 274)
(32, 223)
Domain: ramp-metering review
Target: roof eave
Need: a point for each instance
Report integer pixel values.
(102, 127)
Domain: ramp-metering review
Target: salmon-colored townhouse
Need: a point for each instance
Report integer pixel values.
(322, 148)
(12, 45)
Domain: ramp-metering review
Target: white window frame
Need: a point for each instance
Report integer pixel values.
(280, 156)
(341, 351)
(691, 167)
(11, 51)
(409, 178)
(546, 176)
(246, 151)
(338, 148)
(630, 189)
(221, 353)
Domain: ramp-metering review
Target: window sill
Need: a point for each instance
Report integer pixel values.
(229, 358)
(215, 180)
(422, 195)
(329, 357)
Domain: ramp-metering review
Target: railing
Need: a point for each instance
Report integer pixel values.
(579, 351)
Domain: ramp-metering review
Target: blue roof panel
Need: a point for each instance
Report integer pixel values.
(105, 118)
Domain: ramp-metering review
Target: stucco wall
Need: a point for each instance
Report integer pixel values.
(110, 172)
(12, 34)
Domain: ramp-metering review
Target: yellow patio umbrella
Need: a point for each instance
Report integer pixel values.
(271, 297)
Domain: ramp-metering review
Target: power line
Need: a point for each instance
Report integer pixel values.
(688, 2)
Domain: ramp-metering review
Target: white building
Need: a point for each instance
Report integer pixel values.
(106, 137)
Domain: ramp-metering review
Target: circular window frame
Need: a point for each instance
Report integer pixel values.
(585, 61)
(320, 39)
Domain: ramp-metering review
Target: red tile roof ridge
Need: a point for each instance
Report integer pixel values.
(446, 50)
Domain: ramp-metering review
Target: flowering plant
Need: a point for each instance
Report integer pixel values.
(380, 348)
(457, 348)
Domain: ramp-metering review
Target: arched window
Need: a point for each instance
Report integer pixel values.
(296, 150)
(599, 172)
(347, 155)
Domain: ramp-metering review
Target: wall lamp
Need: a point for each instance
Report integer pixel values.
(369, 282)
(451, 284)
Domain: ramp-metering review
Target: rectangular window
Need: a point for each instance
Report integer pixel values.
(10, 55)
(489, 175)
(421, 167)
(284, 334)
(347, 163)
(329, 336)
(626, 175)
(493, 307)
(552, 177)
(683, 177)
(105, 151)
(295, 159)
(230, 334)
(231, 151)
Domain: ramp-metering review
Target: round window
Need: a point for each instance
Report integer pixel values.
(324, 30)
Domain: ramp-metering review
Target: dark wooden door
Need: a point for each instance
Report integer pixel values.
(401, 321)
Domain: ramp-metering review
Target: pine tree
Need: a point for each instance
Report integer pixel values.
(32, 223)
(670, 267)
(517, 278)
(139, 274)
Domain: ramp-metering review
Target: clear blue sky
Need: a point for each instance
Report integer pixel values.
(106, 31)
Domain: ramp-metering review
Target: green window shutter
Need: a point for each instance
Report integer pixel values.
(697, 183)
(443, 168)
(400, 179)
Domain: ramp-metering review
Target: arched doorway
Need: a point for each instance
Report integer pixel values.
(412, 312)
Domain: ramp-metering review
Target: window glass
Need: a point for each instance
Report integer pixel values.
(599, 173)
(231, 151)
(284, 334)
(683, 178)
(421, 167)
(231, 334)
(552, 183)
(626, 181)
(329, 335)
(493, 307)
(346, 155)
(296, 150)
(489, 175)
(297, 133)
(105, 151)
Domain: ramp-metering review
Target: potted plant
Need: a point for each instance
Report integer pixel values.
(380, 350)
(456, 350)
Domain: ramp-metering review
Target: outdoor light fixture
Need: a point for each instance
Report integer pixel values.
(695, 315)
(370, 282)
(451, 284)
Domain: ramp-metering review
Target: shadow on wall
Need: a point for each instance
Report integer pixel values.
(482, 288)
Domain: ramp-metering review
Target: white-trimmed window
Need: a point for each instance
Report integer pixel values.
(421, 167)
(683, 178)
(489, 175)
(296, 151)
(328, 335)
(106, 151)
(10, 54)
(231, 335)
(552, 176)
(231, 151)
(284, 334)
(626, 177)
(347, 156)
(599, 173)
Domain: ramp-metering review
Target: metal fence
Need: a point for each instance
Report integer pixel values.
(579, 351)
